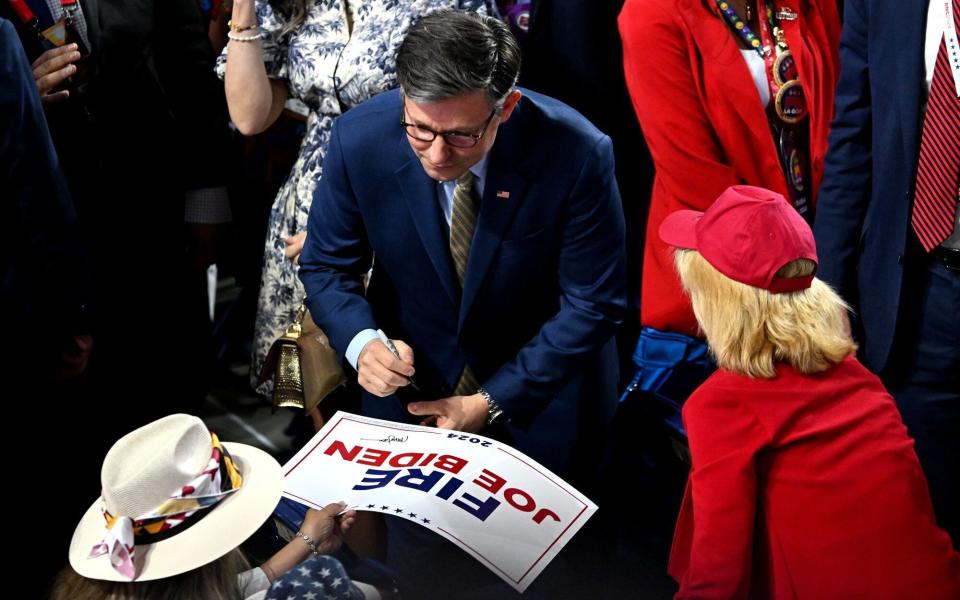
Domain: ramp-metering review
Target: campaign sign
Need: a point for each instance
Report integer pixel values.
(503, 508)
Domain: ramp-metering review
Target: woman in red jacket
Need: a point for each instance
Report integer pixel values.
(804, 481)
(727, 92)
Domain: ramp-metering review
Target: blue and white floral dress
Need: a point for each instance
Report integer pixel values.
(330, 68)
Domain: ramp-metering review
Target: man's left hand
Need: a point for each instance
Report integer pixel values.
(463, 413)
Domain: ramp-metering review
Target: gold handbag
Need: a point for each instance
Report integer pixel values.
(304, 366)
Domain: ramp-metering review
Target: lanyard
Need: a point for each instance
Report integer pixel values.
(790, 103)
(27, 16)
(25, 13)
(950, 39)
(62, 30)
(772, 48)
(742, 29)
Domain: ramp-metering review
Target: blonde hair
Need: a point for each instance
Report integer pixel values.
(749, 329)
(213, 581)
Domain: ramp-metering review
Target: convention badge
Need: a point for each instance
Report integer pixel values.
(780, 37)
(56, 34)
(785, 68)
(795, 169)
(791, 103)
(792, 160)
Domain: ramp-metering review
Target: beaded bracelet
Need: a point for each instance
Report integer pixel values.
(248, 38)
(310, 543)
(239, 29)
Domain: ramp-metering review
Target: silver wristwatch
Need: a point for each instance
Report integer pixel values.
(494, 412)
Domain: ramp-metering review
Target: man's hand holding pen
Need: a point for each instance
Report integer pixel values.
(380, 371)
(385, 365)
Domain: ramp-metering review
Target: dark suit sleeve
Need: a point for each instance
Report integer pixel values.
(846, 187)
(336, 254)
(592, 278)
(42, 260)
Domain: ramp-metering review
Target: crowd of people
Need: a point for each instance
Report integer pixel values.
(491, 245)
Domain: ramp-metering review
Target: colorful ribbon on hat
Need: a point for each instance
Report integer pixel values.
(218, 480)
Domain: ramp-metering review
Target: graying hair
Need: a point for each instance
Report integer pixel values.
(452, 52)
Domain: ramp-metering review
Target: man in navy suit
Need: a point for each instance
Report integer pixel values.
(43, 288)
(140, 127)
(877, 243)
(493, 224)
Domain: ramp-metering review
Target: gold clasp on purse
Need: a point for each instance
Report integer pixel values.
(288, 377)
(283, 363)
(304, 367)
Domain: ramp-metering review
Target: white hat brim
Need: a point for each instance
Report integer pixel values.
(227, 526)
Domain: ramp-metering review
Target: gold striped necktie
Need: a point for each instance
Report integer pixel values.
(463, 221)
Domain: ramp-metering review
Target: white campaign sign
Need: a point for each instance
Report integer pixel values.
(500, 506)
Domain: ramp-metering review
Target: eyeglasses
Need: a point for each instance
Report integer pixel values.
(454, 138)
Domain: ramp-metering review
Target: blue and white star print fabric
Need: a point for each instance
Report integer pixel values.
(317, 578)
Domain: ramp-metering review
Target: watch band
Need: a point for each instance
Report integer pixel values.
(494, 412)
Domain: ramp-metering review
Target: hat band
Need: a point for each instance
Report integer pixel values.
(782, 285)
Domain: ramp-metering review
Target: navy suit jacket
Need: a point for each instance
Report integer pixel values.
(544, 288)
(863, 215)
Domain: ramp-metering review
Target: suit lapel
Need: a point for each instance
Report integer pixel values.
(911, 21)
(503, 192)
(725, 67)
(420, 193)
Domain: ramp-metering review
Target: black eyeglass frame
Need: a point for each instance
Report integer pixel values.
(446, 135)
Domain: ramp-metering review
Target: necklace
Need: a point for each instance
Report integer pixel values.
(742, 29)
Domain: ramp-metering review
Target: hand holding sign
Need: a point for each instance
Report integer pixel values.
(498, 505)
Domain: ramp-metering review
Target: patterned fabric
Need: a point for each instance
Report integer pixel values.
(317, 578)
(79, 20)
(463, 221)
(938, 171)
(330, 69)
(218, 479)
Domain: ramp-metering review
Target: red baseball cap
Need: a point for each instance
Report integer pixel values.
(748, 234)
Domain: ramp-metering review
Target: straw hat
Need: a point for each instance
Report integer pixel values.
(144, 469)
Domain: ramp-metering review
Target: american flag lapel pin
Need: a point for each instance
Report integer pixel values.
(503, 194)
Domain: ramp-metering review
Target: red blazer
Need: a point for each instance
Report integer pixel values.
(703, 121)
(806, 486)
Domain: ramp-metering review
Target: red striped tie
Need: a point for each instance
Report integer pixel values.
(938, 172)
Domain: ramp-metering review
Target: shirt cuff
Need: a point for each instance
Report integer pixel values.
(252, 582)
(357, 345)
(207, 206)
(369, 592)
